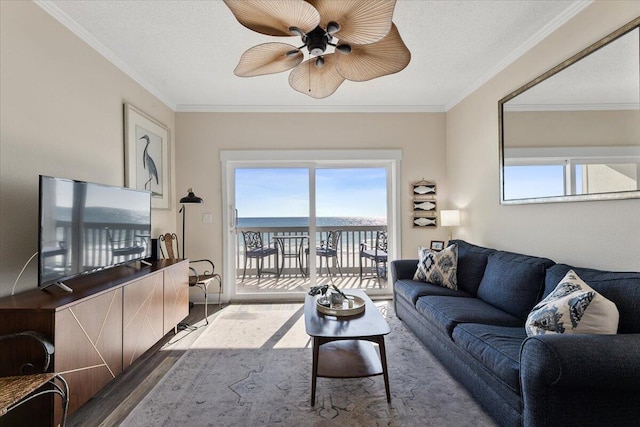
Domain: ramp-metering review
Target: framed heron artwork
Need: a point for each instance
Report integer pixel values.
(146, 151)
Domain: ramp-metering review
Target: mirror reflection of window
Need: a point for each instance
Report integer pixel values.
(525, 182)
(588, 110)
(604, 178)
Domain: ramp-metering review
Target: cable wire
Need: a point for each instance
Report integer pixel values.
(13, 290)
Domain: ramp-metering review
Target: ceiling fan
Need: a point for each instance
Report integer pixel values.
(345, 40)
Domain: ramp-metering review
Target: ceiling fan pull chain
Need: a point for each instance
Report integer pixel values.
(309, 61)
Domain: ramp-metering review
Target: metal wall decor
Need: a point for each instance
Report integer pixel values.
(424, 204)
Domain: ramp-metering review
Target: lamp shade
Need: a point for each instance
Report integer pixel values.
(191, 197)
(450, 218)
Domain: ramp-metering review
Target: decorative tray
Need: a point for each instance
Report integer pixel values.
(350, 307)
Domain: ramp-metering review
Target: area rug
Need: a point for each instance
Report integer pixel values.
(252, 367)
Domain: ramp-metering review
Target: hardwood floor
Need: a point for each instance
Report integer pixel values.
(114, 402)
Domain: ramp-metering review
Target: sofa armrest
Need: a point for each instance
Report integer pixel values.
(402, 269)
(569, 378)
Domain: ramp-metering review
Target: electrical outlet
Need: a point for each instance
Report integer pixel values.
(207, 217)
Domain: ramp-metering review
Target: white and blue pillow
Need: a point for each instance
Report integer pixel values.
(439, 268)
(573, 307)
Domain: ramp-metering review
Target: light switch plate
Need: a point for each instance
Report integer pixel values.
(207, 217)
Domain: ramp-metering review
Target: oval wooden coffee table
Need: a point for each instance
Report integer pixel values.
(342, 346)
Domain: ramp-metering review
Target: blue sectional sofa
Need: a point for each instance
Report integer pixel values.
(477, 332)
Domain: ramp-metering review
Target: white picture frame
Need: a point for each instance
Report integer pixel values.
(147, 149)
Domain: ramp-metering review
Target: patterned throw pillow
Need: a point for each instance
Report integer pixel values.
(439, 268)
(573, 307)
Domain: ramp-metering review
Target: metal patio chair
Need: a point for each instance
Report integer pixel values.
(254, 248)
(376, 254)
(328, 250)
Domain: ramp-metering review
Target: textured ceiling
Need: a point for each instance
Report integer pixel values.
(184, 52)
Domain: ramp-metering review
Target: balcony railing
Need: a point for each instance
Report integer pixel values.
(348, 251)
(91, 249)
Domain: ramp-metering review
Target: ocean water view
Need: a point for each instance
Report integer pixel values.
(304, 221)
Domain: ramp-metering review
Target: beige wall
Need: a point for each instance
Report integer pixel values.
(201, 137)
(604, 234)
(571, 128)
(61, 115)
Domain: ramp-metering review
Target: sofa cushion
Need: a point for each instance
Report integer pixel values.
(472, 261)
(411, 290)
(622, 288)
(438, 268)
(446, 312)
(495, 347)
(513, 282)
(573, 308)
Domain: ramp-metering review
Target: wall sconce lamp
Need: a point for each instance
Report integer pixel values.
(189, 198)
(450, 218)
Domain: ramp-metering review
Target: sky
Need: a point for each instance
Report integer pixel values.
(284, 192)
(523, 182)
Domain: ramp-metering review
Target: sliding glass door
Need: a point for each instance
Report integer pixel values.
(272, 229)
(293, 224)
(351, 209)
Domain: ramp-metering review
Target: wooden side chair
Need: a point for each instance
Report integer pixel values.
(170, 249)
(19, 389)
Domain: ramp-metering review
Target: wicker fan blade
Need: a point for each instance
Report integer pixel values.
(274, 17)
(366, 62)
(268, 58)
(317, 82)
(361, 21)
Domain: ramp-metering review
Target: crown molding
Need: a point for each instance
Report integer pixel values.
(552, 26)
(50, 7)
(181, 108)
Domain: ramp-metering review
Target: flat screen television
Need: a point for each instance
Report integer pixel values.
(87, 227)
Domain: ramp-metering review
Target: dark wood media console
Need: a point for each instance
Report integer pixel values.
(98, 330)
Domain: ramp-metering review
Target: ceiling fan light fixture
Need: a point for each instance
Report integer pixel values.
(333, 27)
(297, 31)
(317, 41)
(344, 49)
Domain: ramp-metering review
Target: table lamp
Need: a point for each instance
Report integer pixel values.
(450, 218)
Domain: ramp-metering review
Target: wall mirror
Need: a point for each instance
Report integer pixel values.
(573, 133)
